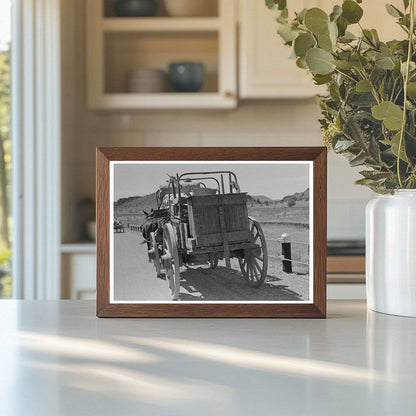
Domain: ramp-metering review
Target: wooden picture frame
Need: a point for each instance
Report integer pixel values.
(314, 308)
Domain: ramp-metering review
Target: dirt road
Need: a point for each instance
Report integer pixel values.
(135, 279)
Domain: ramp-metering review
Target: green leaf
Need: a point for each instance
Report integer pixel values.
(333, 32)
(393, 11)
(300, 17)
(343, 65)
(411, 90)
(396, 71)
(374, 150)
(336, 12)
(284, 13)
(343, 145)
(381, 89)
(374, 175)
(327, 40)
(303, 43)
(391, 114)
(377, 75)
(325, 43)
(375, 35)
(361, 99)
(276, 4)
(368, 36)
(319, 61)
(348, 37)
(406, 4)
(385, 63)
(358, 61)
(351, 11)
(363, 86)
(342, 25)
(354, 131)
(301, 63)
(286, 32)
(321, 79)
(358, 160)
(364, 181)
(394, 144)
(412, 67)
(316, 20)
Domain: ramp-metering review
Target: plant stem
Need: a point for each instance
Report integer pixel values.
(406, 80)
(373, 89)
(345, 75)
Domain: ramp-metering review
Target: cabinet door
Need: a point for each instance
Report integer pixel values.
(265, 68)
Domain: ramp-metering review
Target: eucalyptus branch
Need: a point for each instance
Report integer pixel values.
(406, 80)
(373, 89)
(377, 122)
(346, 75)
(398, 95)
(392, 90)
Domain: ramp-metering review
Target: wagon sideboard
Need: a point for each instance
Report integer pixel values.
(215, 218)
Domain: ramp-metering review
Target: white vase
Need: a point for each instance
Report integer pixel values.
(391, 253)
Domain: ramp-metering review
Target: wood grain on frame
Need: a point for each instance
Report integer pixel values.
(317, 309)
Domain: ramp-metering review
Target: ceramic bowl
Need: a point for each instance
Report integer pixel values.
(147, 80)
(186, 76)
(135, 8)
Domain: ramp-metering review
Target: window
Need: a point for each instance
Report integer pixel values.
(5, 145)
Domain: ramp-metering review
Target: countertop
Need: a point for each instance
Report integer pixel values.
(57, 358)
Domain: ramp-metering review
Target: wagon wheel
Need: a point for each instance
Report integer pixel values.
(156, 256)
(170, 260)
(254, 263)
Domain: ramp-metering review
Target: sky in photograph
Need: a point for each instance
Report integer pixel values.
(272, 180)
(5, 21)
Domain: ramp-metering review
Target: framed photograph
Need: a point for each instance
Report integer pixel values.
(211, 232)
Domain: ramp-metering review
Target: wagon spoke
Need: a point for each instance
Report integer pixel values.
(256, 237)
(252, 275)
(257, 266)
(259, 258)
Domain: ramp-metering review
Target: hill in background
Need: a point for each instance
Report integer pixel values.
(137, 204)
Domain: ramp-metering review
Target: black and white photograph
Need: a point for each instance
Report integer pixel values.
(211, 232)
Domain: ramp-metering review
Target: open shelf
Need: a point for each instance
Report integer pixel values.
(160, 24)
(108, 9)
(116, 46)
(194, 101)
(80, 247)
(127, 51)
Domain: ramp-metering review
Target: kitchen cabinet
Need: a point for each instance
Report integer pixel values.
(78, 263)
(265, 70)
(118, 45)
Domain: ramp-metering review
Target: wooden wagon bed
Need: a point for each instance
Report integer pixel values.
(213, 218)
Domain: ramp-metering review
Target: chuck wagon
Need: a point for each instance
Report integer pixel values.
(202, 218)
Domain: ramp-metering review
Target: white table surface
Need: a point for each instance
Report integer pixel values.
(57, 359)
